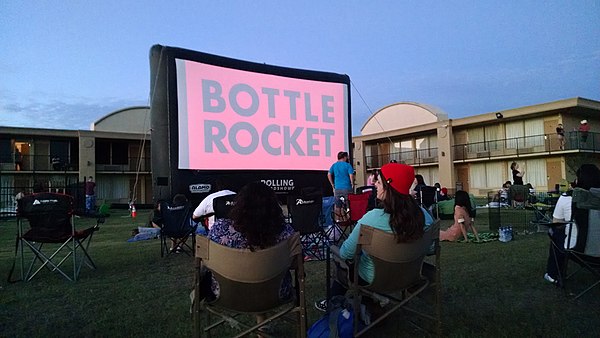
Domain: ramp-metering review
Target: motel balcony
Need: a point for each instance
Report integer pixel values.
(417, 157)
(132, 165)
(38, 163)
(545, 144)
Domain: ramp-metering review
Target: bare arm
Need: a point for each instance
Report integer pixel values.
(330, 178)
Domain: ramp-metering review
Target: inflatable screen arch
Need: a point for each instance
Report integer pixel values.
(242, 121)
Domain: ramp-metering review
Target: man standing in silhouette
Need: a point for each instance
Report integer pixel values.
(341, 178)
(90, 196)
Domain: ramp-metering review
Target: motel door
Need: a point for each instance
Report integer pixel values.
(462, 176)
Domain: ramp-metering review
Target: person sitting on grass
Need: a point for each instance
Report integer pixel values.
(401, 215)
(463, 219)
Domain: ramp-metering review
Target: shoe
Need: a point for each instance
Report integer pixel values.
(321, 305)
(548, 278)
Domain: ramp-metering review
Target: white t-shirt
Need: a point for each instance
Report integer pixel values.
(206, 206)
(562, 211)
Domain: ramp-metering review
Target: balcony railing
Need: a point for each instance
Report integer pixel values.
(48, 163)
(38, 163)
(546, 143)
(131, 166)
(412, 157)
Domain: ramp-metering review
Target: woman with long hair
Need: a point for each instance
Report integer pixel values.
(256, 220)
(399, 214)
(463, 219)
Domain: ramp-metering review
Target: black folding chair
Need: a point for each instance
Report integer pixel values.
(305, 212)
(222, 206)
(178, 227)
(427, 197)
(586, 252)
(52, 237)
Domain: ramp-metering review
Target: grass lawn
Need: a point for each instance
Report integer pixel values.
(492, 289)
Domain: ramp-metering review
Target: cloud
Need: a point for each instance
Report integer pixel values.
(69, 113)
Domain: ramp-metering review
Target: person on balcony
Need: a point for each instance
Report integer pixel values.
(18, 160)
(560, 134)
(584, 130)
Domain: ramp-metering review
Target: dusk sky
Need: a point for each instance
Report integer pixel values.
(65, 64)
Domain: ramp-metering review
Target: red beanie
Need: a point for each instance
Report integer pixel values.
(399, 176)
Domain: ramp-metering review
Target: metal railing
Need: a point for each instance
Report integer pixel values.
(412, 157)
(38, 163)
(546, 143)
(145, 165)
(69, 185)
(34, 163)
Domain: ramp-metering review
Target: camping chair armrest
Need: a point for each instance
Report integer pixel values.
(555, 225)
(337, 257)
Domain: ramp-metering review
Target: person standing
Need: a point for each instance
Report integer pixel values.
(560, 134)
(517, 174)
(18, 160)
(341, 176)
(90, 196)
(584, 130)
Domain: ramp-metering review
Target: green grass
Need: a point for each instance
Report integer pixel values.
(493, 289)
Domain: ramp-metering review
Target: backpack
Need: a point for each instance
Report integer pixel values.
(337, 322)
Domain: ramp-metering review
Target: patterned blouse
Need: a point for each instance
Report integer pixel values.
(223, 233)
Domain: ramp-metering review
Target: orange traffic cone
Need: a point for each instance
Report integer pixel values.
(133, 211)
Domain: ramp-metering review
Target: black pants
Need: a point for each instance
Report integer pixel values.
(556, 255)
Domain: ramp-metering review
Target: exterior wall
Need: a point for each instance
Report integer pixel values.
(80, 147)
(87, 156)
(495, 135)
(129, 120)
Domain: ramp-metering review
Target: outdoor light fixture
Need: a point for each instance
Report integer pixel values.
(499, 115)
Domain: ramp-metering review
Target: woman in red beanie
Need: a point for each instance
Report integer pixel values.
(400, 214)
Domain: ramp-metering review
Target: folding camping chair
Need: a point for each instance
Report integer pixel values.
(222, 206)
(431, 270)
(397, 271)
(249, 283)
(372, 198)
(356, 207)
(178, 227)
(305, 212)
(50, 217)
(586, 253)
(518, 195)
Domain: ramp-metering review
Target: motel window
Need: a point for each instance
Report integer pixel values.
(5, 151)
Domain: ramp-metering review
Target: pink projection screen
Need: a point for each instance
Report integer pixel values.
(231, 119)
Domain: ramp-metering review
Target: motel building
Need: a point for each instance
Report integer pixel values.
(472, 153)
(115, 151)
(475, 153)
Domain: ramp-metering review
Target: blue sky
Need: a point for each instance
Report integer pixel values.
(65, 64)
